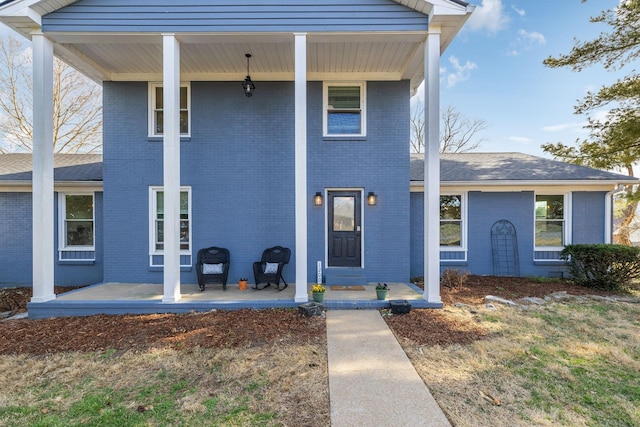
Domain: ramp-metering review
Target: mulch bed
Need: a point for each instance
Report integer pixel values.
(221, 329)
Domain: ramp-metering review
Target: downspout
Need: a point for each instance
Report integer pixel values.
(608, 216)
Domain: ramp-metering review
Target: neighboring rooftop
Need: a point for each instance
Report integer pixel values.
(67, 167)
(475, 167)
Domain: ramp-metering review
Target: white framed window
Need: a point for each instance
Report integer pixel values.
(156, 109)
(552, 213)
(76, 222)
(156, 220)
(344, 109)
(453, 212)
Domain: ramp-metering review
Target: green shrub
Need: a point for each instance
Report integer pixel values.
(602, 266)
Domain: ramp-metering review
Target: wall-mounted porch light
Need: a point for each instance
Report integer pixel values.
(372, 198)
(317, 199)
(248, 85)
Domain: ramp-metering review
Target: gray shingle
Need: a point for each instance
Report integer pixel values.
(473, 167)
(67, 167)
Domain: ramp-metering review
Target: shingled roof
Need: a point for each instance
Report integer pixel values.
(67, 167)
(514, 167)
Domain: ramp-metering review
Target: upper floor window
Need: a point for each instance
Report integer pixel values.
(344, 109)
(157, 220)
(76, 225)
(156, 109)
(551, 217)
(451, 220)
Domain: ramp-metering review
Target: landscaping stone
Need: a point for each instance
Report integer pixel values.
(601, 298)
(630, 300)
(6, 314)
(533, 300)
(500, 300)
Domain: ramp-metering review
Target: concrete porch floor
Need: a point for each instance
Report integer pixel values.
(135, 298)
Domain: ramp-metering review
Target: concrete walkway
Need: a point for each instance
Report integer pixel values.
(371, 380)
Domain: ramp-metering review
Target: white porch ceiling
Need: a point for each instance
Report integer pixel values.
(370, 56)
(222, 57)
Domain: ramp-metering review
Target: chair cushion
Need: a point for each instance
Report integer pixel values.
(271, 268)
(212, 268)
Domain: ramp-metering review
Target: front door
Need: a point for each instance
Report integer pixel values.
(344, 223)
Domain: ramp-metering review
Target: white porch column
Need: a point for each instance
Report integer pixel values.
(432, 167)
(42, 195)
(301, 201)
(171, 151)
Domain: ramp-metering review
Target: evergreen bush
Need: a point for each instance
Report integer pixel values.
(602, 266)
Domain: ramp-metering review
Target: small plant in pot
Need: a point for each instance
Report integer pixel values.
(382, 291)
(242, 284)
(317, 292)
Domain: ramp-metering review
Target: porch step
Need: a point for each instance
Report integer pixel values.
(345, 276)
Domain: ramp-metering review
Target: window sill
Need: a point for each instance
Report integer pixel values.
(160, 268)
(454, 262)
(161, 138)
(549, 262)
(76, 262)
(344, 138)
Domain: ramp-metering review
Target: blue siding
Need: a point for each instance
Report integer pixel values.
(234, 16)
(239, 163)
(484, 209)
(15, 229)
(487, 208)
(16, 254)
(378, 163)
(417, 234)
(588, 210)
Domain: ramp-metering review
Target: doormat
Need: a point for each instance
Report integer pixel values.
(347, 288)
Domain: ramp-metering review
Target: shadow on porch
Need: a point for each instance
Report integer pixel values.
(135, 298)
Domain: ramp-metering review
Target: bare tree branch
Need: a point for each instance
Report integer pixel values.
(77, 104)
(458, 134)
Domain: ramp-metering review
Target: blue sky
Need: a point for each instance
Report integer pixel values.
(493, 71)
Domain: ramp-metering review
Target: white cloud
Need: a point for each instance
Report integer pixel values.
(571, 126)
(520, 12)
(526, 41)
(520, 140)
(460, 73)
(489, 16)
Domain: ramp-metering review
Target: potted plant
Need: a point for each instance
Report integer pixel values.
(317, 292)
(242, 284)
(382, 291)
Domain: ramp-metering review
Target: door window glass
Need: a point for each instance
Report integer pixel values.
(344, 213)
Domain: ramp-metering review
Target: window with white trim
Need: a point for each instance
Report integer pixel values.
(452, 212)
(344, 109)
(156, 226)
(156, 109)
(76, 231)
(551, 215)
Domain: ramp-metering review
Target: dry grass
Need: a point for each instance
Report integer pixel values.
(247, 386)
(561, 364)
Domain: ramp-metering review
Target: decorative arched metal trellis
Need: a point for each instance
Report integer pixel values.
(504, 245)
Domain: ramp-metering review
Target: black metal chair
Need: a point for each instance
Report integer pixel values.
(212, 266)
(269, 269)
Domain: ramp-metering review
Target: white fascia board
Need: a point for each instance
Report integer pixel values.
(25, 186)
(20, 17)
(429, 7)
(519, 186)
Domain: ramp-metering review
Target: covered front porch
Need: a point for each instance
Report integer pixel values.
(145, 298)
(158, 141)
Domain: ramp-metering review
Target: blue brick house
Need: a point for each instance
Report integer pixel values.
(250, 124)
